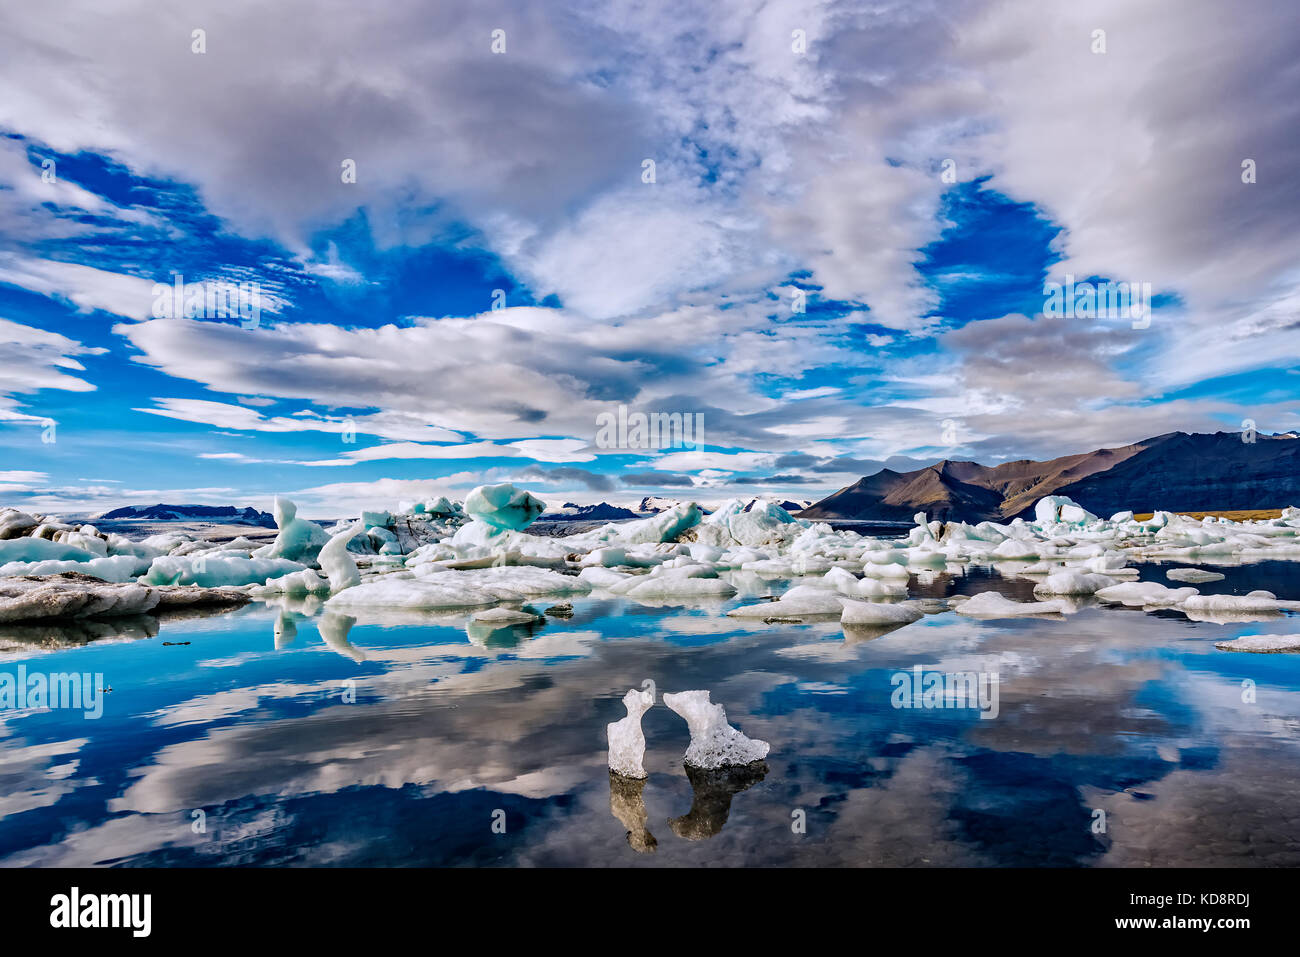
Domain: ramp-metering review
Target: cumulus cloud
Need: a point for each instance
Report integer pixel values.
(771, 160)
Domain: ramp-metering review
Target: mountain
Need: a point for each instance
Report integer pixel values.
(601, 512)
(223, 514)
(1178, 472)
(653, 504)
(787, 504)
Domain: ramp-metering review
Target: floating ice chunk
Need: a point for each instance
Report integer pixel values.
(1261, 644)
(1013, 550)
(1075, 514)
(764, 523)
(710, 554)
(73, 595)
(674, 586)
(663, 527)
(878, 613)
(992, 604)
(799, 602)
(599, 577)
(295, 584)
(714, 742)
(298, 538)
(884, 556)
(626, 739)
(337, 563)
(213, 571)
(872, 570)
(1253, 602)
(809, 565)
(1140, 594)
(1109, 563)
(606, 557)
(504, 506)
(1047, 510)
(513, 582)
(14, 523)
(878, 588)
(115, 568)
(41, 550)
(411, 594)
(1177, 575)
(505, 616)
(1073, 583)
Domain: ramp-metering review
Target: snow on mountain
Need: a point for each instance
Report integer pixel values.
(224, 514)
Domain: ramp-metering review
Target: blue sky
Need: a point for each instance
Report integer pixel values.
(916, 172)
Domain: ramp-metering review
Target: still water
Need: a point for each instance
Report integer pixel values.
(273, 735)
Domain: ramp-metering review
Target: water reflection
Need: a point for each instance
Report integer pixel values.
(448, 724)
(713, 791)
(334, 629)
(627, 803)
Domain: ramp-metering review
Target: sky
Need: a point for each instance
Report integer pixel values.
(466, 235)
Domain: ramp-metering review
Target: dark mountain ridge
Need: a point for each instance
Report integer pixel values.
(1177, 471)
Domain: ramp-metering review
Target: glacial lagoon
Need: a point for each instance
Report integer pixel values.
(273, 735)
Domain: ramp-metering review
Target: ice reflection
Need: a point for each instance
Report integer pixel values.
(451, 722)
(713, 791)
(627, 803)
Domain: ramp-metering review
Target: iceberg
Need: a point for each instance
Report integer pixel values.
(298, 538)
(336, 563)
(216, 570)
(72, 595)
(1261, 644)
(626, 739)
(714, 742)
(410, 593)
(992, 604)
(1174, 574)
(42, 550)
(1073, 583)
(1144, 594)
(503, 506)
(879, 613)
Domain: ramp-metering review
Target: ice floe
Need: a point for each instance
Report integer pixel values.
(1193, 575)
(626, 739)
(751, 560)
(879, 613)
(71, 595)
(714, 742)
(1261, 644)
(992, 604)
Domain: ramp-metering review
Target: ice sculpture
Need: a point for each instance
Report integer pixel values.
(503, 506)
(298, 538)
(337, 563)
(626, 740)
(714, 743)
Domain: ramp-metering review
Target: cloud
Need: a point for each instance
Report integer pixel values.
(656, 480)
(32, 360)
(84, 286)
(592, 481)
